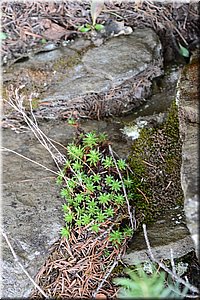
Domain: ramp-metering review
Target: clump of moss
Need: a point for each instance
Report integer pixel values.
(155, 160)
(66, 62)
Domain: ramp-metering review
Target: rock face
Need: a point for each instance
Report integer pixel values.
(173, 234)
(188, 102)
(112, 79)
(31, 205)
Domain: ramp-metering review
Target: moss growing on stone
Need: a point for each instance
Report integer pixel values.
(156, 160)
(66, 62)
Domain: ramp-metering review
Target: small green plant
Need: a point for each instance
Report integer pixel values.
(90, 140)
(68, 217)
(75, 151)
(95, 228)
(119, 199)
(88, 27)
(71, 121)
(60, 177)
(109, 179)
(3, 35)
(95, 10)
(143, 285)
(116, 236)
(183, 51)
(96, 178)
(109, 212)
(115, 185)
(92, 188)
(121, 164)
(108, 162)
(100, 217)
(104, 198)
(65, 232)
(93, 157)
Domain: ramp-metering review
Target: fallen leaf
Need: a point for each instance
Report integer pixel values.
(101, 296)
(54, 31)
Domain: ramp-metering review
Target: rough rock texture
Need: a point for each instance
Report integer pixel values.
(168, 232)
(32, 216)
(92, 81)
(188, 101)
(31, 204)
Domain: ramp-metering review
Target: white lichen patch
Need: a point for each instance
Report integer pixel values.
(133, 131)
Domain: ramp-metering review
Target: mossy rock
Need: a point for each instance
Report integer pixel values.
(155, 159)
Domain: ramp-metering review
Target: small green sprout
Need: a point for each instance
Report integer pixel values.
(60, 177)
(77, 166)
(128, 182)
(93, 157)
(115, 185)
(79, 198)
(75, 151)
(109, 212)
(65, 232)
(65, 207)
(64, 193)
(128, 232)
(95, 227)
(116, 237)
(79, 222)
(79, 211)
(108, 162)
(90, 187)
(96, 178)
(121, 164)
(104, 198)
(85, 219)
(71, 121)
(68, 217)
(109, 179)
(100, 217)
(90, 139)
(119, 199)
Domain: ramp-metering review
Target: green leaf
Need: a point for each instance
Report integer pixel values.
(68, 217)
(95, 228)
(95, 9)
(84, 29)
(65, 232)
(183, 51)
(3, 36)
(99, 27)
(43, 41)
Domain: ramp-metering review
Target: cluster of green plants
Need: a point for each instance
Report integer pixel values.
(92, 188)
(140, 283)
(96, 7)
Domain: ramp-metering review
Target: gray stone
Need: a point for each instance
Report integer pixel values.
(188, 102)
(100, 81)
(30, 220)
(31, 205)
(168, 232)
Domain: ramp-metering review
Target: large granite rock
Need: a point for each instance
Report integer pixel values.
(188, 102)
(112, 79)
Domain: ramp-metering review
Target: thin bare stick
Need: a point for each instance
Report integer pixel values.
(106, 276)
(124, 190)
(29, 159)
(23, 269)
(172, 261)
(189, 286)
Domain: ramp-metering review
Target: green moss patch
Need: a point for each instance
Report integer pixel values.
(156, 160)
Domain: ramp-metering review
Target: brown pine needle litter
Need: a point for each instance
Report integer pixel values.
(76, 267)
